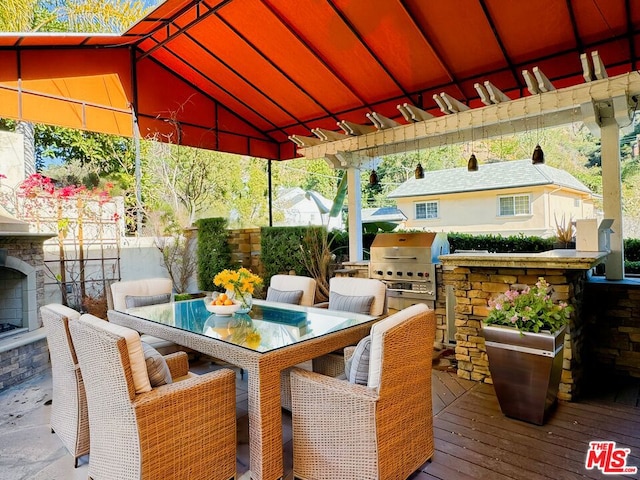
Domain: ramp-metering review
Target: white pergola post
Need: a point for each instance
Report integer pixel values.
(351, 161)
(355, 214)
(612, 114)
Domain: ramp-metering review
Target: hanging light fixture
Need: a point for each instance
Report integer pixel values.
(373, 178)
(472, 165)
(538, 155)
(419, 171)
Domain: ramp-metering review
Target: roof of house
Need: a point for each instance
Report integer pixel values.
(490, 176)
(382, 214)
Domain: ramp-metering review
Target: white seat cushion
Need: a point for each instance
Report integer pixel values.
(296, 282)
(137, 288)
(361, 287)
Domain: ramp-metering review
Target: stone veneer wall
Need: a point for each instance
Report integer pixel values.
(474, 286)
(245, 248)
(22, 363)
(612, 317)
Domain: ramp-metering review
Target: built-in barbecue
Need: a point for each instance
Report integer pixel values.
(406, 262)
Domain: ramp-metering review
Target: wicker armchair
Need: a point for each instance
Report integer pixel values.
(333, 364)
(118, 292)
(291, 283)
(288, 283)
(382, 430)
(185, 429)
(69, 419)
(357, 287)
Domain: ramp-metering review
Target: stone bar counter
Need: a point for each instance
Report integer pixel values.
(478, 276)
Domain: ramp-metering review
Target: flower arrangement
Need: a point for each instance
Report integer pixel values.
(237, 283)
(529, 310)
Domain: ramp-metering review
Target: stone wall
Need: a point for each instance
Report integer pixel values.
(612, 317)
(246, 249)
(21, 363)
(474, 286)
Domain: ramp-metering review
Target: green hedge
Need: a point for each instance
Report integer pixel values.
(281, 250)
(521, 243)
(213, 253)
(498, 243)
(632, 249)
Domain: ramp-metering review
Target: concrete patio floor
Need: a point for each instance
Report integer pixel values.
(29, 451)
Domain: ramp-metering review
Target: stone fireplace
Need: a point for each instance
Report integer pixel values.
(23, 350)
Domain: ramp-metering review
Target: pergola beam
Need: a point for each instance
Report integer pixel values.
(553, 108)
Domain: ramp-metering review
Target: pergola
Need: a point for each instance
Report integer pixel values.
(342, 80)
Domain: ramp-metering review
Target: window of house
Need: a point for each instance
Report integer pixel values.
(426, 210)
(514, 205)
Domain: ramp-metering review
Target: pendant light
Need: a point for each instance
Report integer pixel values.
(373, 178)
(538, 155)
(419, 171)
(472, 164)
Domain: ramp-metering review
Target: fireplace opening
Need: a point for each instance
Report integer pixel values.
(14, 314)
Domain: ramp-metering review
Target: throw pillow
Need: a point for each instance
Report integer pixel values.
(132, 301)
(357, 367)
(347, 303)
(157, 367)
(290, 296)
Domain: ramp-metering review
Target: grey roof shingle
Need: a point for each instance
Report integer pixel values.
(490, 176)
(382, 214)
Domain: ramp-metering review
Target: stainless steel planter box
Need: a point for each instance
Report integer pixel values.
(526, 370)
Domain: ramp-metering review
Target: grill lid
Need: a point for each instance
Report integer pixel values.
(420, 247)
(413, 239)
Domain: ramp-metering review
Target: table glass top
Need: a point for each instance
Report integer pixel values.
(268, 326)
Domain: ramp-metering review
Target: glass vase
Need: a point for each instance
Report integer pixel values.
(245, 299)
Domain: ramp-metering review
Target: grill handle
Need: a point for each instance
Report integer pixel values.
(400, 258)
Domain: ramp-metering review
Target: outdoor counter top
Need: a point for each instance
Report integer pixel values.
(559, 258)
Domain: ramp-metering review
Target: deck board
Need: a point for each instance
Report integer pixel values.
(473, 439)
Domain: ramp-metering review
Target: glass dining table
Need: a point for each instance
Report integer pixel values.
(269, 339)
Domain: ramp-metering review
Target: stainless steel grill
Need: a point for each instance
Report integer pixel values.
(406, 262)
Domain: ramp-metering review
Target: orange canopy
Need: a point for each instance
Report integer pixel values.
(241, 76)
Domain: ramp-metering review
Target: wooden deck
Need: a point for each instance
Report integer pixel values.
(475, 440)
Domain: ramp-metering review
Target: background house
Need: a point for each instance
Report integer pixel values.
(503, 198)
(382, 219)
(300, 209)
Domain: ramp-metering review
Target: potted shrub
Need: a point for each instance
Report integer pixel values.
(565, 233)
(524, 337)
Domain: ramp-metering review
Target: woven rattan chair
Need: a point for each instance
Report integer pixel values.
(292, 283)
(183, 430)
(333, 364)
(117, 295)
(289, 283)
(69, 419)
(382, 430)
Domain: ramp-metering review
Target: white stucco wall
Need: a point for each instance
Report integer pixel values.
(11, 159)
(477, 212)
